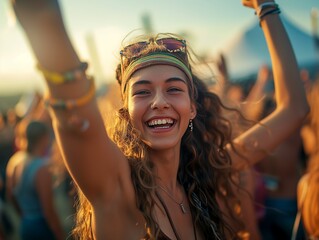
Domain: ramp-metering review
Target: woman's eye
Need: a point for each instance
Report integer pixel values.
(174, 89)
(141, 92)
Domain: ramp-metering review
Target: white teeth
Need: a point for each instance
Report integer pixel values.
(160, 122)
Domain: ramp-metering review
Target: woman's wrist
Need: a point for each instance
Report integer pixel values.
(265, 9)
(260, 2)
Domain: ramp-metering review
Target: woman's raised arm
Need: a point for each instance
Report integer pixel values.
(291, 103)
(91, 157)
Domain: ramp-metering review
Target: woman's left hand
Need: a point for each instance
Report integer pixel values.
(254, 3)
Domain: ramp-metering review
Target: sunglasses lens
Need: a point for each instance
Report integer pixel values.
(172, 44)
(135, 49)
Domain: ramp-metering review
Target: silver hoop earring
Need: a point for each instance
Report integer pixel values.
(190, 125)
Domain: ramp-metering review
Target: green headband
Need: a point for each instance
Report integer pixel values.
(158, 58)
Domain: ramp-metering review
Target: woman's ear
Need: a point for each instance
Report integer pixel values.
(193, 111)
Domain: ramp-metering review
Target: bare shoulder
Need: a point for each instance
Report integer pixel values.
(15, 160)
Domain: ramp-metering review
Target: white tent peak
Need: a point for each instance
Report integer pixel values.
(247, 51)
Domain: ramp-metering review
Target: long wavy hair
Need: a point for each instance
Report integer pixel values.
(308, 188)
(205, 169)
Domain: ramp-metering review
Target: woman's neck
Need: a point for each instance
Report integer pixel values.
(166, 167)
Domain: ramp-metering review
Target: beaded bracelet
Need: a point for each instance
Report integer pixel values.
(265, 9)
(271, 11)
(264, 6)
(68, 76)
(71, 103)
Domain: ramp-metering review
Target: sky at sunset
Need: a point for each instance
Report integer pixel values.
(207, 24)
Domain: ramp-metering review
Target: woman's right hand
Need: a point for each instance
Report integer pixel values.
(254, 3)
(28, 12)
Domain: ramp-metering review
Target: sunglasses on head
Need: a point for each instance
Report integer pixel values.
(170, 44)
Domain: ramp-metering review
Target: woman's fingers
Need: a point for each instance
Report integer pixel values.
(254, 3)
(247, 3)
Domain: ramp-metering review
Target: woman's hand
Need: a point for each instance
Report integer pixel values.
(28, 12)
(254, 3)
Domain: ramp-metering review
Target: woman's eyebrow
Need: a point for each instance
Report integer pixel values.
(147, 82)
(175, 79)
(141, 82)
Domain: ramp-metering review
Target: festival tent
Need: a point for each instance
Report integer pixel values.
(247, 51)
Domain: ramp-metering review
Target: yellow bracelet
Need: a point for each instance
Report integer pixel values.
(71, 103)
(68, 76)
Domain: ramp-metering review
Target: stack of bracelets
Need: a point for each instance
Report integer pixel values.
(68, 77)
(265, 9)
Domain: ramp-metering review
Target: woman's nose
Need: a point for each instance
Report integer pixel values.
(159, 102)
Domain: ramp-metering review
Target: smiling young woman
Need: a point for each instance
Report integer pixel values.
(160, 106)
(166, 171)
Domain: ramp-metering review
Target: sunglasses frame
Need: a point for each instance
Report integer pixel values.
(140, 46)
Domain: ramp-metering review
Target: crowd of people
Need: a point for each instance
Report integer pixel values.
(176, 158)
(34, 180)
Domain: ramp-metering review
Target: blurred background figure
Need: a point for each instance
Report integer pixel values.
(8, 121)
(7, 125)
(308, 187)
(30, 186)
(13, 140)
(2, 231)
(279, 173)
(271, 209)
(233, 96)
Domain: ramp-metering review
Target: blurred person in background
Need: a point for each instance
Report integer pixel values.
(6, 150)
(281, 169)
(6, 141)
(30, 186)
(2, 226)
(233, 96)
(308, 186)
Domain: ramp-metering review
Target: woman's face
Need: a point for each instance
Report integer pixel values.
(159, 105)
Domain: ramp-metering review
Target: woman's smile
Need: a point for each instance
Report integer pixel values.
(161, 124)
